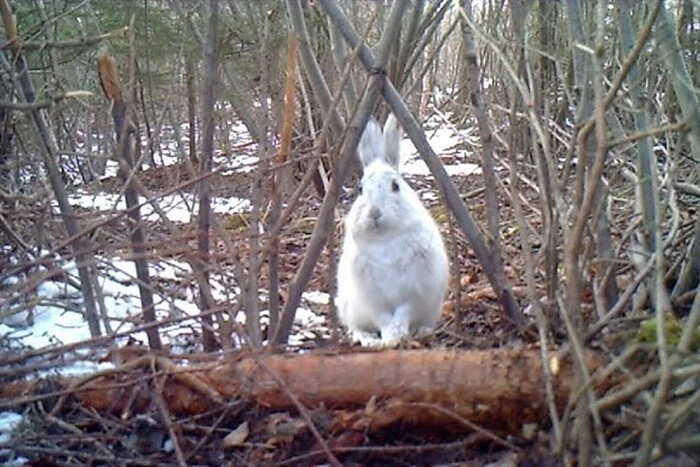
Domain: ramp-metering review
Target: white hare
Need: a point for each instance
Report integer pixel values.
(393, 271)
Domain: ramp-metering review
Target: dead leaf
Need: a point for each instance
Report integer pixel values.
(467, 279)
(237, 437)
(283, 428)
(448, 309)
(371, 406)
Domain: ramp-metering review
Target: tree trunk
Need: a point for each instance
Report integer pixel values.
(125, 130)
(191, 110)
(81, 246)
(205, 167)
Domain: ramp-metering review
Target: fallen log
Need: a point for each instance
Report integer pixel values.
(499, 389)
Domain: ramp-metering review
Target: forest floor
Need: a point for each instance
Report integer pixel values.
(47, 340)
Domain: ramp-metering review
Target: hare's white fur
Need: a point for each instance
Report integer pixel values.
(393, 271)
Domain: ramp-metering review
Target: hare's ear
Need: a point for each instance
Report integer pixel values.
(392, 140)
(371, 146)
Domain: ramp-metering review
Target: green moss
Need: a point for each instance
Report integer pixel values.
(439, 214)
(673, 329)
(237, 222)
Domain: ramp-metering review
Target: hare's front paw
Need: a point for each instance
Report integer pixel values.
(366, 339)
(397, 326)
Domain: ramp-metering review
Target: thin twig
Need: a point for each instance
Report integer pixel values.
(304, 412)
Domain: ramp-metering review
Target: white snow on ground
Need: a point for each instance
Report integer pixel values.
(320, 298)
(178, 208)
(444, 139)
(9, 421)
(56, 319)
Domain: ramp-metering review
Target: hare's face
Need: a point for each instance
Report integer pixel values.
(381, 206)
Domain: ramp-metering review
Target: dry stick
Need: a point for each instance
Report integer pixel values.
(209, 431)
(56, 17)
(341, 60)
(662, 306)
(189, 379)
(70, 428)
(679, 416)
(239, 273)
(497, 278)
(671, 237)
(689, 443)
(584, 197)
(409, 42)
(126, 133)
(688, 188)
(419, 448)
(487, 144)
(44, 104)
(303, 411)
(472, 426)
(524, 202)
(324, 223)
(455, 271)
(629, 231)
(75, 386)
(8, 21)
(180, 374)
(251, 293)
(601, 138)
(686, 278)
(430, 24)
(668, 128)
(280, 181)
(14, 235)
(433, 58)
(13, 374)
(292, 203)
(313, 69)
(520, 176)
(19, 45)
(542, 324)
(167, 420)
(202, 265)
(584, 410)
(148, 360)
(238, 106)
(691, 324)
(621, 303)
(638, 385)
(577, 348)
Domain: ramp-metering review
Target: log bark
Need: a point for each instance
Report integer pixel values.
(499, 389)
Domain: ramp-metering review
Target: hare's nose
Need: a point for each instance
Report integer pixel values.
(375, 213)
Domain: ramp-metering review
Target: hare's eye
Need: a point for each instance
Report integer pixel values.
(360, 188)
(394, 186)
